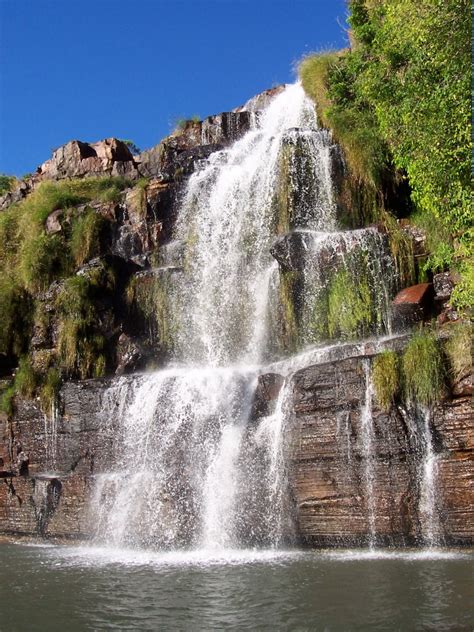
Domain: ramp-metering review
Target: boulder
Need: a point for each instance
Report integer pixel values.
(130, 356)
(77, 159)
(266, 394)
(443, 285)
(412, 304)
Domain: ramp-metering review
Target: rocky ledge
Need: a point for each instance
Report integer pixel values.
(48, 465)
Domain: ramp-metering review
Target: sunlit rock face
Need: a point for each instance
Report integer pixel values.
(241, 327)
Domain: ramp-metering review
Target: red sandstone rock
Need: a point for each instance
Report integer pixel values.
(412, 304)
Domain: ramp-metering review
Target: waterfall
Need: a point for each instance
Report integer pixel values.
(193, 465)
(367, 438)
(51, 422)
(228, 221)
(428, 511)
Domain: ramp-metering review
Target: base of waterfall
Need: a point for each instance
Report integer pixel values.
(105, 555)
(97, 588)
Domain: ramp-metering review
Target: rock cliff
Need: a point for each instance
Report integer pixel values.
(105, 314)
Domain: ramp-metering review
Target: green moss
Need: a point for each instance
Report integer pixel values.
(458, 349)
(288, 322)
(147, 297)
(42, 259)
(85, 236)
(386, 378)
(81, 348)
(7, 399)
(50, 389)
(283, 201)
(350, 309)
(423, 370)
(26, 379)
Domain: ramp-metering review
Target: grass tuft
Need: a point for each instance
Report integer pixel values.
(386, 378)
(423, 370)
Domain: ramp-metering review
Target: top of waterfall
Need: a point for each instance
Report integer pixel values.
(261, 100)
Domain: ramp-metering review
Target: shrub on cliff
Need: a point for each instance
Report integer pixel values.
(386, 378)
(423, 369)
(402, 95)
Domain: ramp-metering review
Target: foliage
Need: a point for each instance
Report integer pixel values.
(81, 347)
(42, 259)
(400, 101)
(6, 183)
(6, 401)
(85, 236)
(423, 369)
(458, 349)
(401, 247)
(25, 379)
(386, 378)
(50, 388)
(15, 316)
(349, 305)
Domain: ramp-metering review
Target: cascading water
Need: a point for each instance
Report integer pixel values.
(367, 437)
(192, 466)
(429, 518)
(227, 222)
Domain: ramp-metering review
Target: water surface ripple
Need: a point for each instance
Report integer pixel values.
(48, 588)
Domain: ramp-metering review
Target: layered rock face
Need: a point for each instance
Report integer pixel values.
(48, 466)
(329, 463)
(355, 473)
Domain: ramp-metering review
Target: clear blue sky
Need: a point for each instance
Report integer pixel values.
(89, 69)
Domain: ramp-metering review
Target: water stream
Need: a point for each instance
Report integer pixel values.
(193, 466)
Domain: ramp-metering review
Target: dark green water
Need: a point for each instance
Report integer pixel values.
(49, 589)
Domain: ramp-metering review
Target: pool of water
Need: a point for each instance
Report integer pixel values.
(69, 589)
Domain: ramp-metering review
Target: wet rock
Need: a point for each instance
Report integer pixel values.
(131, 355)
(412, 304)
(327, 462)
(261, 100)
(443, 284)
(223, 129)
(290, 250)
(266, 394)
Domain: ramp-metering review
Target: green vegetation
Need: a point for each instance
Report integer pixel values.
(147, 298)
(50, 389)
(399, 103)
(458, 349)
(349, 305)
(81, 347)
(6, 401)
(6, 183)
(85, 236)
(32, 257)
(26, 379)
(423, 369)
(346, 307)
(386, 378)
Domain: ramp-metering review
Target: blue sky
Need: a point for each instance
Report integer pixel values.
(90, 69)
